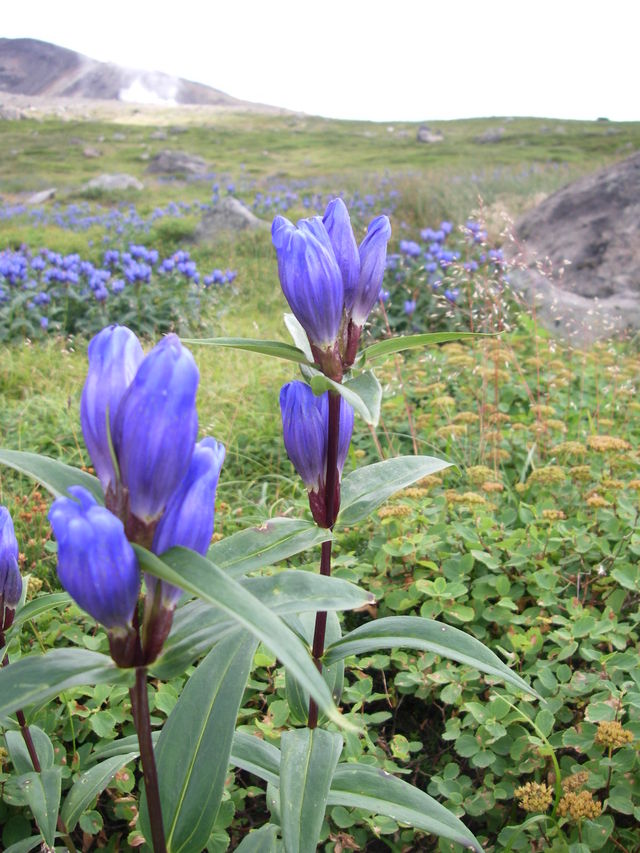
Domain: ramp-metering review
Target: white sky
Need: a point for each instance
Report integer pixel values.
(385, 61)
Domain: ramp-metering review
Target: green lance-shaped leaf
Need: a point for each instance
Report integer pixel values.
(25, 845)
(192, 754)
(90, 784)
(42, 793)
(364, 489)
(20, 754)
(55, 476)
(307, 764)
(365, 787)
(41, 605)
(198, 576)
(263, 840)
(401, 343)
(257, 547)
(121, 746)
(256, 756)
(197, 625)
(414, 632)
(276, 349)
(360, 786)
(363, 391)
(38, 678)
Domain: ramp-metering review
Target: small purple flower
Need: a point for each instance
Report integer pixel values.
(409, 306)
(452, 295)
(409, 247)
(96, 564)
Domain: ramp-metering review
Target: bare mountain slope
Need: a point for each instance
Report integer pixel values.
(32, 67)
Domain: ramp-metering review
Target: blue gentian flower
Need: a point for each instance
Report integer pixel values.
(311, 278)
(115, 355)
(373, 254)
(305, 427)
(189, 515)
(155, 427)
(96, 564)
(10, 578)
(409, 306)
(337, 223)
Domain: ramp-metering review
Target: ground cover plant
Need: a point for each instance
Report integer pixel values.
(530, 546)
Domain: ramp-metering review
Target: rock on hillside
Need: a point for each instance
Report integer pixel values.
(38, 68)
(594, 224)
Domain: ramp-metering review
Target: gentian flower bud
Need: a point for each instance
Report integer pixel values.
(311, 279)
(338, 226)
(305, 427)
(189, 516)
(96, 564)
(373, 253)
(10, 578)
(115, 354)
(155, 428)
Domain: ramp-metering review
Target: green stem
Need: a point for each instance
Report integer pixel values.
(332, 506)
(140, 706)
(33, 755)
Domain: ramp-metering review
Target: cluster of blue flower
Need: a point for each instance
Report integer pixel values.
(427, 278)
(283, 197)
(115, 221)
(139, 422)
(48, 289)
(331, 285)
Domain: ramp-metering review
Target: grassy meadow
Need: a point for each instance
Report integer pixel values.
(531, 542)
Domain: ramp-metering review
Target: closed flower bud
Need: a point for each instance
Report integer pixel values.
(155, 428)
(189, 516)
(338, 226)
(311, 279)
(373, 254)
(114, 357)
(10, 578)
(96, 564)
(305, 429)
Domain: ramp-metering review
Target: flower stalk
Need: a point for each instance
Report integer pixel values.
(141, 719)
(332, 504)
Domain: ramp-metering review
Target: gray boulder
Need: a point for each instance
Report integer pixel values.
(9, 113)
(426, 134)
(594, 224)
(42, 196)
(178, 163)
(494, 134)
(228, 216)
(112, 183)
